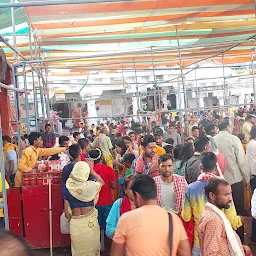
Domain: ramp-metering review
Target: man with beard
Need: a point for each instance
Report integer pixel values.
(236, 172)
(158, 134)
(215, 232)
(149, 229)
(170, 187)
(195, 199)
(147, 162)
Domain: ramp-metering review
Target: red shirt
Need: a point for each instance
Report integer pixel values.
(83, 156)
(120, 128)
(108, 175)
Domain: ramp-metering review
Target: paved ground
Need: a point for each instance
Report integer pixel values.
(66, 251)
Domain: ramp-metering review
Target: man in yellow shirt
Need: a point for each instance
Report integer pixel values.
(30, 155)
(247, 126)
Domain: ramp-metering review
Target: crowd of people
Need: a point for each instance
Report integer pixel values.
(151, 189)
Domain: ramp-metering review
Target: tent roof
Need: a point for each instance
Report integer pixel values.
(206, 28)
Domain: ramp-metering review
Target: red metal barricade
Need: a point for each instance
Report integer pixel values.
(15, 211)
(35, 201)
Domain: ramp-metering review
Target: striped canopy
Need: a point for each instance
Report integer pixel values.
(143, 33)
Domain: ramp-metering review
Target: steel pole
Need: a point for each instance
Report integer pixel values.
(137, 87)
(125, 101)
(253, 75)
(18, 53)
(56, 2)
(154, 77)
(33, 80)
(13, 29)
(197, 98)
(4, 194)
(16, 95)
(183, 85)
(26, 99)
(224, 81)
(181, 68)
(50, 214)
(42, 101)
(47, 96)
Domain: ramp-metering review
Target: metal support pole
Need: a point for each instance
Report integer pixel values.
(137, 87)
(4, 194)
(183, 85)
(26, 100)
(224, 81)
(50, 213)
(181, 69)
(125, 108)
(47, 97)
(253, 75)
(55, 2)
(197, 96)
(42, 100)
(33, 81)
(16, 95)
(154, 76)
(13, 29)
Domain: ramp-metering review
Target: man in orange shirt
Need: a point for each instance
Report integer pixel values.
(145, 230)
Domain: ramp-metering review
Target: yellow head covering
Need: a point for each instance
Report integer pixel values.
(78, 184)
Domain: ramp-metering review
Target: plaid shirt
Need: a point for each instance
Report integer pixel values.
(212, 235)
(180, 185)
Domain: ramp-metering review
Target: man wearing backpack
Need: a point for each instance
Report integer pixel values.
(193, 166)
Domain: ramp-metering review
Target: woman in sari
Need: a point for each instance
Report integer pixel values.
(120, 206)
(81, 195)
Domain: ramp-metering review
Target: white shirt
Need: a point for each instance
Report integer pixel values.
(231, 147)
(167, 195)
(251, 156)
(253, 202)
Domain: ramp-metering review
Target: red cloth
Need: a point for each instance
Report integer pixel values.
(221, 162)
(83, 156)
(108, 175)
(125, 206)
(189, 227)
(120, 128)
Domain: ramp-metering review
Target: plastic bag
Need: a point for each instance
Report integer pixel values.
(64, 225)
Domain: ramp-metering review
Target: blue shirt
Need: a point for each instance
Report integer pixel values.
(11, 156)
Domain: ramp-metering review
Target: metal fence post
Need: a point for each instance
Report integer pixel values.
(26, 98)
(154, 76)
(17, 116)
(253, 75)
